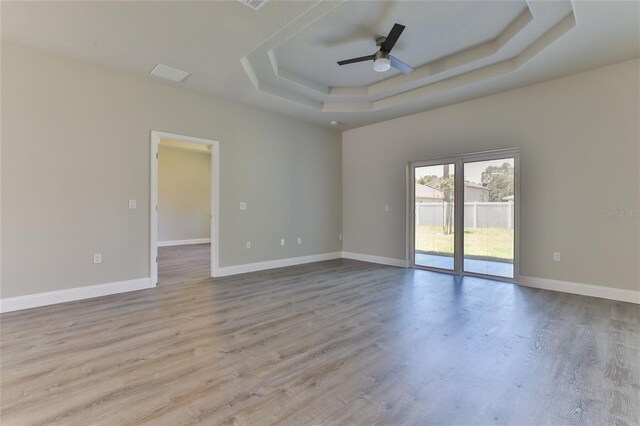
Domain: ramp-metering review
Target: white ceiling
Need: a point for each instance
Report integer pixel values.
(351, 29)
(283, 56)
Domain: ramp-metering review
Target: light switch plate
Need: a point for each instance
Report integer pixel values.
(299, 240)
(282, 241)
(248, 245)
(243, 205)
(132, 204)
(97, 258)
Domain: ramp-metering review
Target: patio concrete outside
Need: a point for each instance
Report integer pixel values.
(487, 267)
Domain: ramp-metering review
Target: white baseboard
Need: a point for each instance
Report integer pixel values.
(184, 242)
(631, 296)
(271, 264)
(52, 297)
(401, 263)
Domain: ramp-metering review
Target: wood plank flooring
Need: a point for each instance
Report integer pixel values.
(338, 342)
(182, 264)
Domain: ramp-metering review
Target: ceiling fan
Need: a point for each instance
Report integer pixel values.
(382, 60)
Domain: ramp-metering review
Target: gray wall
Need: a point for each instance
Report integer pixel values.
(579, 142)
(184, 194)
(75, 148)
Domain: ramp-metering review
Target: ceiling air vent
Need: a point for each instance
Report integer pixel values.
(253, 4)
(168, 73)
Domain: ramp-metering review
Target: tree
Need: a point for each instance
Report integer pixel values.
(446, 186)
(426, 180)
(499, 180)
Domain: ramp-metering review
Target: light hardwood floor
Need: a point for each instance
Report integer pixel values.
(335, 342)
(182, 264)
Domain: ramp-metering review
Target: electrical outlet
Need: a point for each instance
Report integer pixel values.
(248, 245)
(97, 258)
(299, 240)
(243, 205)
(282, 241)
(556, 256)
(132, 204)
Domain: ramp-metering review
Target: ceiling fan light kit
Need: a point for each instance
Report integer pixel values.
(381, 63)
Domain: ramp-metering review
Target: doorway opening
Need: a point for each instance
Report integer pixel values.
(184, 238)
(478, 236)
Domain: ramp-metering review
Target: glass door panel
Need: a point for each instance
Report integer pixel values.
(434, 229)
(489, 217)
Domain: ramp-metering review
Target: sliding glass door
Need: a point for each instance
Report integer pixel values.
(477, 236)
(435, 230)
(489, 233)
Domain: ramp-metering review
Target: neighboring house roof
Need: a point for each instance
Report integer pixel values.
(475, 185)
(427, 192)
(437, 181)
(424, 191)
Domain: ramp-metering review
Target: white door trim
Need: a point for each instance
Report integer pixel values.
(215, 199)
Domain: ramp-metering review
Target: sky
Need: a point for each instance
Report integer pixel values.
(472, 171)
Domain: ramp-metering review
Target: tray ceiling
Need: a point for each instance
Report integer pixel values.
(283, 56)
(351, 29)
(470, 41)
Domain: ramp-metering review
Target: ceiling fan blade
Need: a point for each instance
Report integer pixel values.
(354, 60)
(399, 65)
(392, 38)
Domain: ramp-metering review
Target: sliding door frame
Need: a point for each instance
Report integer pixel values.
(459, 161)
(457, 263)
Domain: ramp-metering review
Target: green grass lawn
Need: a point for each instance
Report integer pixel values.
(484, 243)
